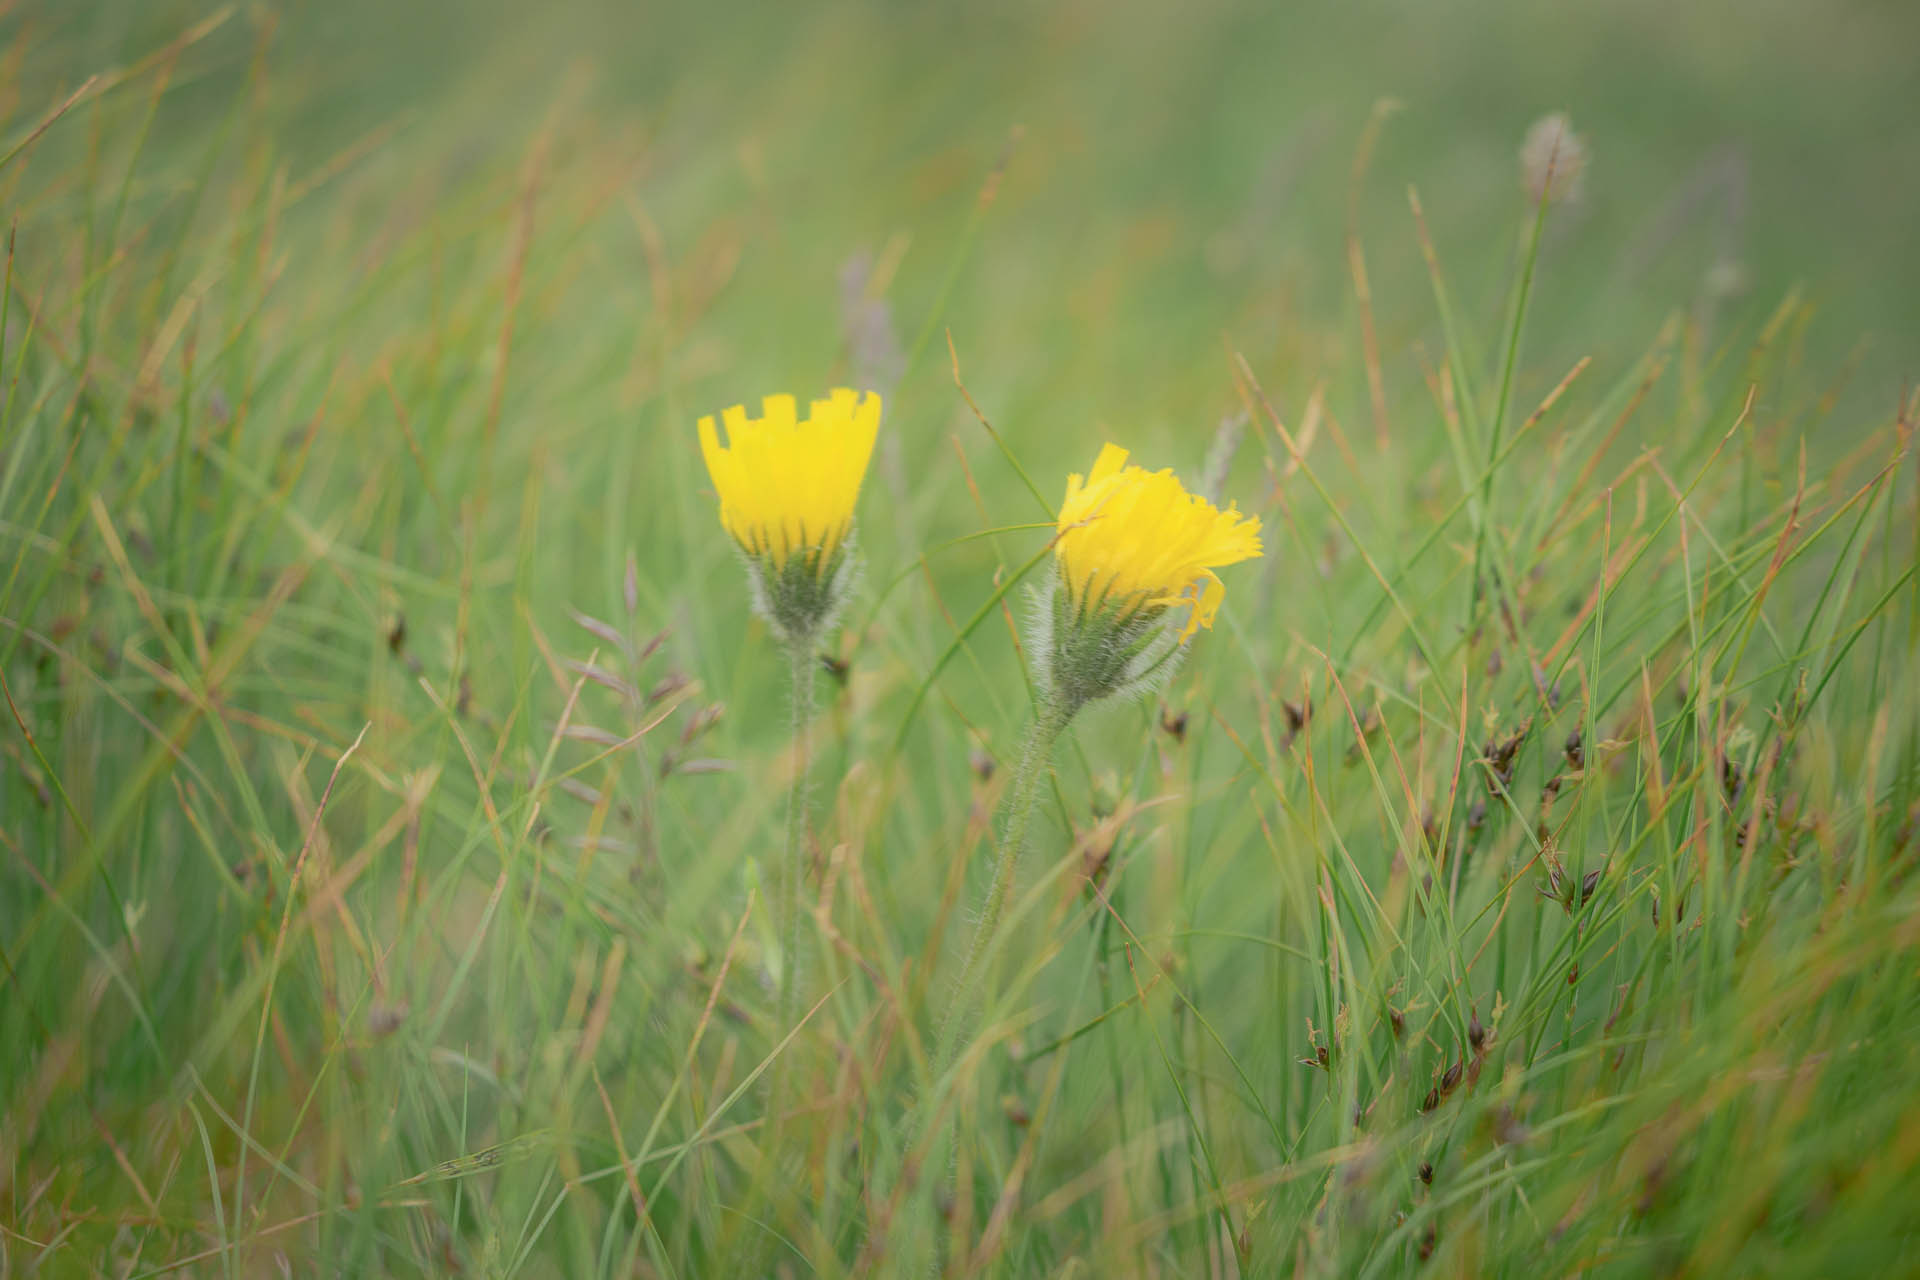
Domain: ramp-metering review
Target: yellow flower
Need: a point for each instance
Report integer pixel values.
(1133, 538)
(788, 485)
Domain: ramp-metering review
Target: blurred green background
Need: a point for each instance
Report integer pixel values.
(1185, 170)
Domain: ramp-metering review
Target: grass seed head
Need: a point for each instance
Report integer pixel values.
(1553, 161)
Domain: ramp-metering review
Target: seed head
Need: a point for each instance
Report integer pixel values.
(1553, 161)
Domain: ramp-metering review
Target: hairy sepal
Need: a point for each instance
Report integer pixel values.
(1111, 651)
(802, 598)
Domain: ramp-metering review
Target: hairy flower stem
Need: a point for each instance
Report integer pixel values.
(800, 656)
(1022, 794)
(791, 877)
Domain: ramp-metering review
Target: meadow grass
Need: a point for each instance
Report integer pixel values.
(1518, 879)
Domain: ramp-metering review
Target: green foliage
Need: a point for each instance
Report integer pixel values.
(1518, 880)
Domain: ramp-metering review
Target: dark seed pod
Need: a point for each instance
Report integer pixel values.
(1398, 1021)
(384, 1019)
(1428, 1242)
(837, 667)
(1095, 862)
(1451, 1080)
(1650, 1188)
(1476, 1034)
(1502, 754)
(1550, 790)
(1431, 1101)
(1297, 714)
(1733, 779)
(1573, 974)
(1588, 884)
(1576, 750)
(1174, 724)
(1511, 746)
(1426, 1172)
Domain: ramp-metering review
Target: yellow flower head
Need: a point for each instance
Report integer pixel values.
(788, 484)
(1134, 538)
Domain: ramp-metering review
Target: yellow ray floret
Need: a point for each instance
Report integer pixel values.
(1137, 538)
(788, 484)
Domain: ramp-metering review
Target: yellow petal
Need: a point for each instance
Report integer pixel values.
(788, 485)
(1112, 458)
(1206, 604)
(1138, 539)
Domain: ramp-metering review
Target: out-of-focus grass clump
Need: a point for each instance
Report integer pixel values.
(1517, 879)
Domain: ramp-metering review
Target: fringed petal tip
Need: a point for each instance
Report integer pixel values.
(1209, 591)
(787, 485)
